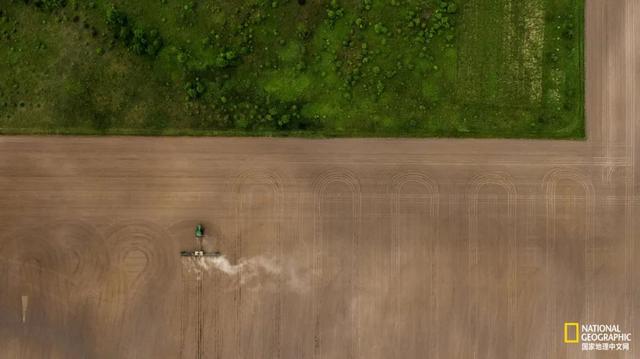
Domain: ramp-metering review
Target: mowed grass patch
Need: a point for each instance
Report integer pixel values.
(389, 68)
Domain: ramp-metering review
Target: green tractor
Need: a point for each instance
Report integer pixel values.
(199, 252)
(199, 231)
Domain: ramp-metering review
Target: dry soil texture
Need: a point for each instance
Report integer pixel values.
(337, 248)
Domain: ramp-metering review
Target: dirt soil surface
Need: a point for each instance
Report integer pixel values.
(332, 248)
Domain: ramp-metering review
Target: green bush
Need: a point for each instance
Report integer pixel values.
(50, 5)
(138, 40)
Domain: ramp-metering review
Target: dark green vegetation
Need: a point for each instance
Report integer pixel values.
(471, 68)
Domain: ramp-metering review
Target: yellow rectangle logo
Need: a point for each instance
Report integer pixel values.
(571, 328)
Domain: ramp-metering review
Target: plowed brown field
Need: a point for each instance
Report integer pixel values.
(337, 248)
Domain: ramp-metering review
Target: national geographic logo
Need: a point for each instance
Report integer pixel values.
(571, 333)
(598, 337)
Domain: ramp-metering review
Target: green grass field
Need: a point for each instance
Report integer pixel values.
(388, 68)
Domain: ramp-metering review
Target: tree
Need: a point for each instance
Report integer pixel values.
(50, 5)
(138, 42)
(116, 18)
(154, 43)
(195, 89)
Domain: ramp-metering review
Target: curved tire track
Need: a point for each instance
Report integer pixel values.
(59, 267)
(142, 271)
(348, 179)
(475, 187)
(428, 220)
(550, 184)
(244, 223)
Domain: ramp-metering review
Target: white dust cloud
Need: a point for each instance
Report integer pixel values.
(256, 273)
